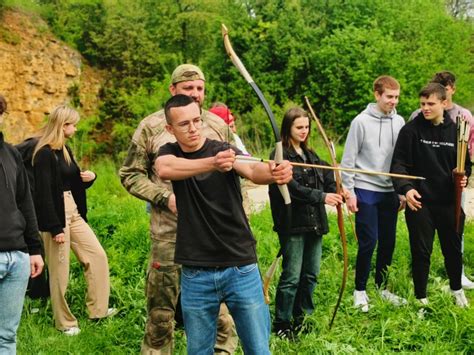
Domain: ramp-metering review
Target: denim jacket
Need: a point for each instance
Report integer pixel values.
(308, 190)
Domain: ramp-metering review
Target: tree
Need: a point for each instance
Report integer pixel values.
(329, 50)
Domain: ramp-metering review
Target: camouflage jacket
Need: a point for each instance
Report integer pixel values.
(138, 172)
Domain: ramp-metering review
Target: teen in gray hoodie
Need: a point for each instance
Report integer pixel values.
(369, 146)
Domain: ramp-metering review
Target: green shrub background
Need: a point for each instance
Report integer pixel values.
(328, 50)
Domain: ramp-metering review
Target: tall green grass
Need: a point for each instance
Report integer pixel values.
(122, 224)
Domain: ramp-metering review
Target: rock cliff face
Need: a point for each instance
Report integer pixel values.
(39, 72)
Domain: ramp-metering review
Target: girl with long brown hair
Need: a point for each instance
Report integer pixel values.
(301, 240)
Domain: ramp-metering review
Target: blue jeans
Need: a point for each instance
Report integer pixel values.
(14, 275)
(240, 288)
(301, 265)
(376, 225)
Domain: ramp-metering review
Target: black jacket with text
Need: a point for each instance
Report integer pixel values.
(426, 150)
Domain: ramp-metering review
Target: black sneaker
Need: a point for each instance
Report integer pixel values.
(285, 334)
(283, 330)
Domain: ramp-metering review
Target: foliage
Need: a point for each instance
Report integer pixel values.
(8, 36)
(330, 51)
(122, 226)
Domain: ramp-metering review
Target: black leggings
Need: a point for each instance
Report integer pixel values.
(422, 225)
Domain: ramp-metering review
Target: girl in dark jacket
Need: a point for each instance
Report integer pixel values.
(60, 202)
(301, 242)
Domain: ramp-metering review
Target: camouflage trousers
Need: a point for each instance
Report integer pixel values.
(162, 291)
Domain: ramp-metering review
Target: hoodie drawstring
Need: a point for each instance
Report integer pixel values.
(380, 129)
(391, 125)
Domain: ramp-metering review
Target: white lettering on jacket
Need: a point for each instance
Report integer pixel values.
(436, 144)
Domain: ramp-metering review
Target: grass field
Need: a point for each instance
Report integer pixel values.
(121, 224)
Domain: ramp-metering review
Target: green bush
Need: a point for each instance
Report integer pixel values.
(329, 51)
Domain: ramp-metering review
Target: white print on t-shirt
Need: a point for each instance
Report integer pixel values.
(437, 144)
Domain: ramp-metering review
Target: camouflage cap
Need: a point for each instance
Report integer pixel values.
(186, 72)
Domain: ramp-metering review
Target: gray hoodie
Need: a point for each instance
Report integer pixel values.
(369, 146)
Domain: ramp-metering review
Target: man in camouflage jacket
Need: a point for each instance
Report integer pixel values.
(139, 178)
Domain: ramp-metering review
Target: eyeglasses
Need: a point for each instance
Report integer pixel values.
(185, 126)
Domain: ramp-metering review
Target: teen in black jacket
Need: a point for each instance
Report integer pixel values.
(301, 241)
(426, 146)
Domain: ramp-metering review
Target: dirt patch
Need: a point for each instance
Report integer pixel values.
(40, 72)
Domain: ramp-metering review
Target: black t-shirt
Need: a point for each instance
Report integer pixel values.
(67, 170)
(213, 230)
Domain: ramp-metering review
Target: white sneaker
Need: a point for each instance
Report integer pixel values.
(423, 301)
(71, 331)
(392, 298)
(361, 301)
(466, 283)
(111, 312)
(460, 298)
(422, 311)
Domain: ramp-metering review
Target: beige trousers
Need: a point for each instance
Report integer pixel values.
(81, 239)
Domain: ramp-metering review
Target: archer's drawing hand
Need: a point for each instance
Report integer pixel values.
(333, 199)
(351, 203)
(224, 161)
(412, 197)
(87, 176)
(281, 173)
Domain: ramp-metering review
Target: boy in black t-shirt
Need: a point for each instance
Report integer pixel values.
(214, 242)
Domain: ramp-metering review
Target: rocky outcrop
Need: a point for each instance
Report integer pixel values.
(39, 72)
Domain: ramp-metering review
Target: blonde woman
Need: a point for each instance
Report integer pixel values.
(60, 202)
